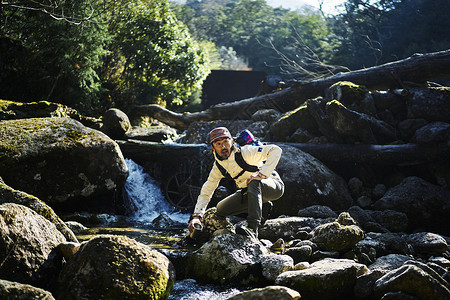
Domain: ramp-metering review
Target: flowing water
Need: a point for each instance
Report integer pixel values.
(148, 203)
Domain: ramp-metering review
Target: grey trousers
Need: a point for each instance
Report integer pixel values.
(251, 201)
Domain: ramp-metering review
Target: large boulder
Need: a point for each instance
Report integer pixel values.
(308, 182)
(9, 195)
(116, 267)
(227, 258)
(288, 123)
(426, 205)
(14, 290)
(325, 279)
(28, 244)
(59, 159)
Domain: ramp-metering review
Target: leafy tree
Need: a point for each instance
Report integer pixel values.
(154, 59)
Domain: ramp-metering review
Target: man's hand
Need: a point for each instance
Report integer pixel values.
(192, 222)
(254, 177)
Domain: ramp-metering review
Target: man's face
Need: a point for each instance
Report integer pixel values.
(222, 147)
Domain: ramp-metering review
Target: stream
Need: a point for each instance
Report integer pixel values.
(147, 200)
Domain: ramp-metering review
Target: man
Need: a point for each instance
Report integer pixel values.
(260, 185)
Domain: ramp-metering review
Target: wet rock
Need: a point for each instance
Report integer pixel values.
(358, 127)
(364, 287)
(227, 258)
(28, 246)
(157, 134)
(308, 182)
(274, 264)
(426, 205)
(57, 159)
(437, 132)
(427, 243)
(286, 228)
(10, 195)
(317, 211)
(163, 221)
(289, 122)
(116, 267)
(325, 279)
(76, 227)
(268, 293)
(115, 123)
(414, 279)
(435, 100)
(14, 290)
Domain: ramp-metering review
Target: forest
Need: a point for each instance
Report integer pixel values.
(96, 54)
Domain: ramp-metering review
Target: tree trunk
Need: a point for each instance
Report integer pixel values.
(416, 69)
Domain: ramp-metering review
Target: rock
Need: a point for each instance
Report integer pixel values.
(289, 122)
(427, 243)
(76, 226)
(383, 244)
(407, 128)
(302, 265)
(266, 115)
(27, 246)
(355, 97)
(274, 264)
(68, 249)
(379, 221)
(378, 191)
(285, 228)
(358, 127)
(435, 100)
(325, 279)
(364, 286)
(355, 186)
(426, 205)
(308, 182)
(433, 133)
(299, 254)
(197, 133)
(337, 237)
(11, 110)
(227, 258)
(344, 218)
(418, 281)
(364, 201)
(268, 293)
(13, 290)
(58, 159)
(317, 211)
(300, 136)
(157, 134)
(115, 123)
(163, 221)
(116, 267)
(9, 195)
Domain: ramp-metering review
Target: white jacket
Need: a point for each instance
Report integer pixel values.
(253, 155)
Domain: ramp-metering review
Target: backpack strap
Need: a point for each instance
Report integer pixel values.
(241, 162)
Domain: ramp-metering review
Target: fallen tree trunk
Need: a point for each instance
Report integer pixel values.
(416, 69)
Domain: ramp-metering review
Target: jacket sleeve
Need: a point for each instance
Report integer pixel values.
(208, 189)
(271, 154)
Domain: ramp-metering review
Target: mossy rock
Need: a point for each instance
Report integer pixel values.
(336, 237)
(57, 159)
(289, 122)
(10, 195)
(116, 267)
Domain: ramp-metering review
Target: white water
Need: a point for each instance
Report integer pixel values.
(146, 196)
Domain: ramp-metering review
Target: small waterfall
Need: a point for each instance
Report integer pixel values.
(147, 198)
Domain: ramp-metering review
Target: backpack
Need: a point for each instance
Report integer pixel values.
(244, 138)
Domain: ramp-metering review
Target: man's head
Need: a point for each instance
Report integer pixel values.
(221, 141)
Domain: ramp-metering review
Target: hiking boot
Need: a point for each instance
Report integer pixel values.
(266, 209)
(246, 230)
